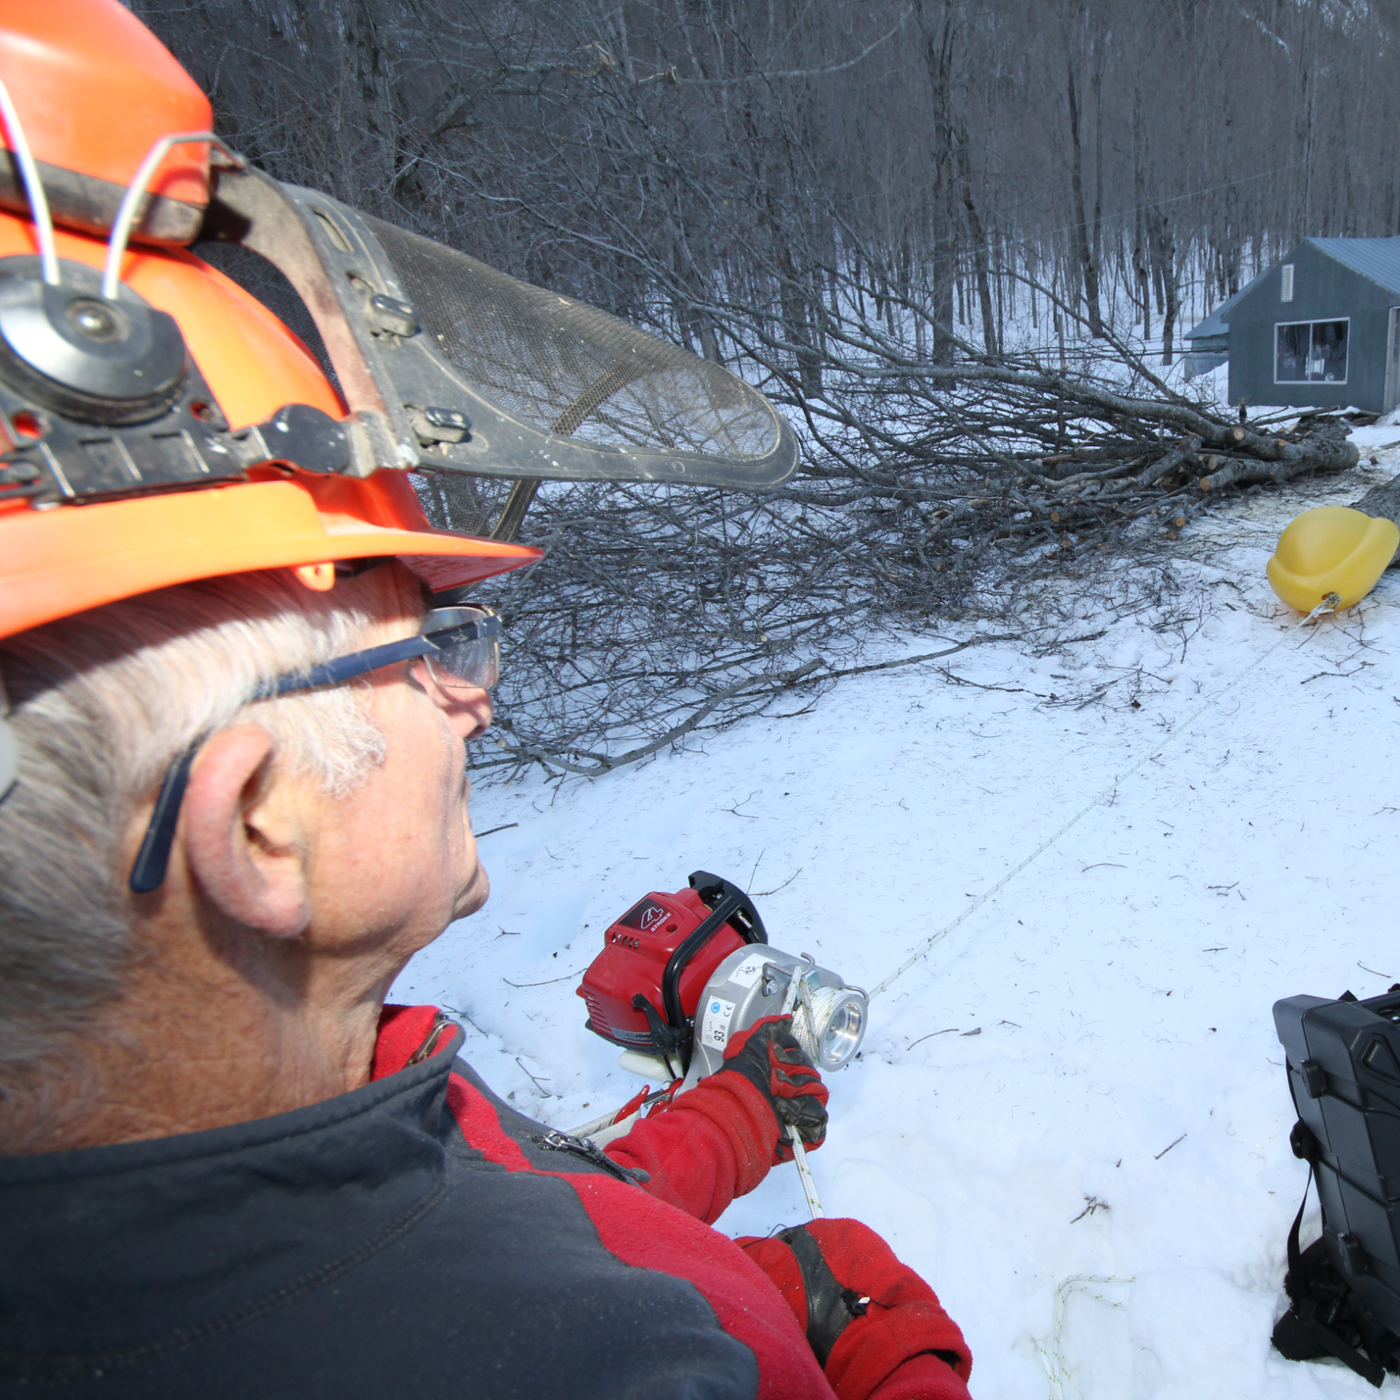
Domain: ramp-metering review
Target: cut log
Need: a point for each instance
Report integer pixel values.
(1382, 503)
(1276, 460)
(1170, 461)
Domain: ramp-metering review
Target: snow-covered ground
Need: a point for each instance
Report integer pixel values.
(1071, 1117)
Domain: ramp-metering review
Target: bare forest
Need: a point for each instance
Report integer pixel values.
(958, 241)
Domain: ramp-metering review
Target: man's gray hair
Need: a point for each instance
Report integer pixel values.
(101, 705)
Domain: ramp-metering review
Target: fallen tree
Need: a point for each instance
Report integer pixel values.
(1061, 446)
(928, 494)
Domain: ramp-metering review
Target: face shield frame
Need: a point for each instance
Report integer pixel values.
(420, 411)
(494, 378)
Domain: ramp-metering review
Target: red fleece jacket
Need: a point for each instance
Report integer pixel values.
(714, 1143)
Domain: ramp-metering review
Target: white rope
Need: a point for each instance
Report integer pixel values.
(1328, 605)
(797, 989)
(804, 1172)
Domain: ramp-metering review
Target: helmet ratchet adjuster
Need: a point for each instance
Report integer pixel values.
(100, 398)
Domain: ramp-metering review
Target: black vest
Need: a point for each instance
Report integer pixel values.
(358, 1249)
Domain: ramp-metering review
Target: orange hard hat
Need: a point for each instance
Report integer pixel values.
(69, 68)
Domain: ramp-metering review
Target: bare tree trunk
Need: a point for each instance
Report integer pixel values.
(1141, 254)
(1165, 273)
(1096, 78)
(1088, 271)
(938, 61)
(990, 337)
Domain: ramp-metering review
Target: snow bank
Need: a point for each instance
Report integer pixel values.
(1072, 1116)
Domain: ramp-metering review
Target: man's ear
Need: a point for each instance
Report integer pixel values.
(243, 846)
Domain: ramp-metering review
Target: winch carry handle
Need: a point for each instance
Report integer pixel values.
(728, 905)
(744, 917)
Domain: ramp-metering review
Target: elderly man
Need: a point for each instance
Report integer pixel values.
(233, 804)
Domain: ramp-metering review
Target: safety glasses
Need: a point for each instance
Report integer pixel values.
(461, 647)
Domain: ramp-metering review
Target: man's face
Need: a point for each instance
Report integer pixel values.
(395, 860)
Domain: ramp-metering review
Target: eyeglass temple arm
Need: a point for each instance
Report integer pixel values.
(148, 870)
(359, 663)
(346, 668)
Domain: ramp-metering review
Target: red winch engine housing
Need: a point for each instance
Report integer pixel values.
(643, 988)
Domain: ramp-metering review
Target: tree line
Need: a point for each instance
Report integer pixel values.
(682, 162)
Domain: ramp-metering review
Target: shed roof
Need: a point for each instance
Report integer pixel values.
(1214, 324)
(1376, 258)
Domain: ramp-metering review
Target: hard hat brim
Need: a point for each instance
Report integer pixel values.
(65, 561)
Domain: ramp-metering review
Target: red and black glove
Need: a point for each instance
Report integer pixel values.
(873, 1323)
(769, 1056)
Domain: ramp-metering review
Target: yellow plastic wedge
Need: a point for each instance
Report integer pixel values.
(1332, 549)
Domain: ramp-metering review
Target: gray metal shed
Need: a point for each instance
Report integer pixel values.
(1320, 329)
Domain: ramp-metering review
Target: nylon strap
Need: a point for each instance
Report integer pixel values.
(1305, 1305)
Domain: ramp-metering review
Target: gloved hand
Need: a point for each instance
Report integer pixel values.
(769, 1056)
(866, 1315)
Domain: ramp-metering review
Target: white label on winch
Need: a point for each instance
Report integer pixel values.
(749, 971)
(714, 1029)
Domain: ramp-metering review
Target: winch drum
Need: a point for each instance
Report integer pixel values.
(829, 1018)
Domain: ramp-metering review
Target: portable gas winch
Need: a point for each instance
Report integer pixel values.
(681, 973)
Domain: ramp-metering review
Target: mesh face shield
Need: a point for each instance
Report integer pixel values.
(450, 366)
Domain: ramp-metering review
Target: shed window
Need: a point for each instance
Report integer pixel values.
(1311, 352)
(1286, 288)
